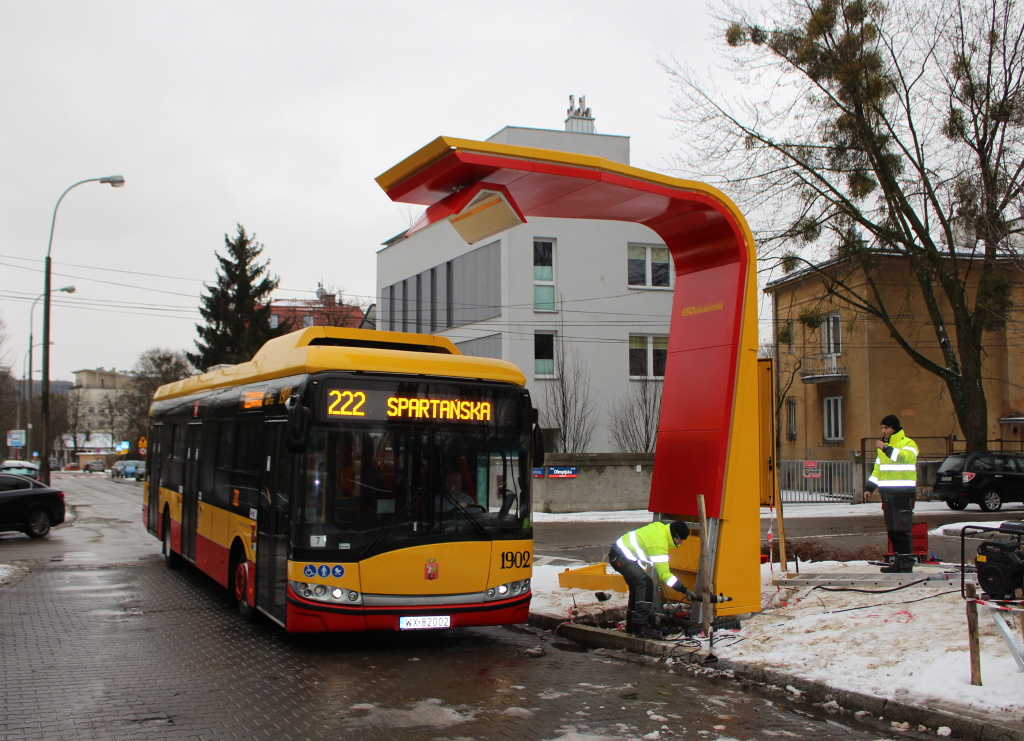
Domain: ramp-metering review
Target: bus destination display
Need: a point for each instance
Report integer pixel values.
(345, 403)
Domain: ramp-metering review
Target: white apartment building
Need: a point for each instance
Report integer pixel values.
(544, 295)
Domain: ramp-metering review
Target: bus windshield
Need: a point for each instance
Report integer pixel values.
(379, 487)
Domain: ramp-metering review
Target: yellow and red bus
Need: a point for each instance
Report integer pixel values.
(318, 482)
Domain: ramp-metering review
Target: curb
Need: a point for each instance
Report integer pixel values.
(962, 722)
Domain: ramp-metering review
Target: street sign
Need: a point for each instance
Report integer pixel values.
(15, 438)
(142, 443)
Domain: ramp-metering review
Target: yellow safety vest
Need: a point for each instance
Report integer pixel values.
(649, 544)
(901, 469)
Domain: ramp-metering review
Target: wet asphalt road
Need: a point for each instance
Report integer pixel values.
(98, 640)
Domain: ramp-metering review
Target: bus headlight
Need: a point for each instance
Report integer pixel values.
(325, 593)
(509, 589)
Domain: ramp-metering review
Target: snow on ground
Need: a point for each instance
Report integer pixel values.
(910, 645)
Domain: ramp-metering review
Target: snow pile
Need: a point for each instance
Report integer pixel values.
(909, 645)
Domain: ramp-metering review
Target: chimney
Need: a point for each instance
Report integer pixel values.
(579, 120)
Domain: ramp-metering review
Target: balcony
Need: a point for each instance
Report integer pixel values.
(822, 369)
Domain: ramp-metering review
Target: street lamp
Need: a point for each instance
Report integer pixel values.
(28, 395)
(115, 181)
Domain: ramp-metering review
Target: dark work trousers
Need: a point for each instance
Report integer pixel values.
(898, 509)
(641, 588)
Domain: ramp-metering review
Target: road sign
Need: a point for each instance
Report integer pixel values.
(142, 443)
(15, 438)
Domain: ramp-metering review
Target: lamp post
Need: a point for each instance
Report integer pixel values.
(31, 344)
(115, 181)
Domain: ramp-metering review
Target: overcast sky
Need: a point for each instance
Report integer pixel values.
(277, 116)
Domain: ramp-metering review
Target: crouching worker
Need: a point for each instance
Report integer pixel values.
(632, 554)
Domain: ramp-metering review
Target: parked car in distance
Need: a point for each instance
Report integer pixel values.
(124, 469)
(987, 479)
(140, 471)
(29, 506)
(22, 468)
(95, 466)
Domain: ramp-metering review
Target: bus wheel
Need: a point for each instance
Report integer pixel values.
(240, 584)
(171, 559)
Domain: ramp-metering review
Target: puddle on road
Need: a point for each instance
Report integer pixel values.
(431, 713)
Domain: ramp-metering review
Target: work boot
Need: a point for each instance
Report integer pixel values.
(893, 567)
(639, 616)
(647, 631)
(901, 564)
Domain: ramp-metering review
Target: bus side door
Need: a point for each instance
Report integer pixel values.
(274, 524)
(190, 491)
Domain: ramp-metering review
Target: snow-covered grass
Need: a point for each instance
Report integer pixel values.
(910, 645)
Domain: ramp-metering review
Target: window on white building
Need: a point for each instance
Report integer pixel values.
(649, 266)
(543, 355)
(833, 422)
(543, 275)
(647, 356)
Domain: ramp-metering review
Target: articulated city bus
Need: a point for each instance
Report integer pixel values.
(351, 480)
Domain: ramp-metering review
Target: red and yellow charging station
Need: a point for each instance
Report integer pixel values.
(710, 439)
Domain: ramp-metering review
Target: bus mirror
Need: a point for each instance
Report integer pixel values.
(298, 424)
(538, 447)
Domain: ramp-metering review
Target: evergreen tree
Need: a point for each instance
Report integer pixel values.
(237, 309)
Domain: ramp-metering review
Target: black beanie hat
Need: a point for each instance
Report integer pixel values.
(891, 420)
(679, 529)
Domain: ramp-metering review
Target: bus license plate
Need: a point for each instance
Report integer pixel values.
(424, 622)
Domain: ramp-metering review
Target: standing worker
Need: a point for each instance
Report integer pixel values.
(895, 476)
(632, 554)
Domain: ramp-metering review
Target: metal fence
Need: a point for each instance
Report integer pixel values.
(824, 481)
(930, 448)
(841, 481)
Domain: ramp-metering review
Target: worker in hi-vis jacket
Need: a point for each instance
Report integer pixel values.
(632, 554)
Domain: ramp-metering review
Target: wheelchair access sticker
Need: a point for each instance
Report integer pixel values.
(323, 570)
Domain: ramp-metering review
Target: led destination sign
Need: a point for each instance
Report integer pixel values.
(455, 403)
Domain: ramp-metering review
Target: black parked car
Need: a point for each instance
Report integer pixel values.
(985, 479)
(29, 506)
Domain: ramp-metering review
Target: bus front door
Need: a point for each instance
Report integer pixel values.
(273, 525)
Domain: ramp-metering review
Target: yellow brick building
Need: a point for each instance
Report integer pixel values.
(837, 380)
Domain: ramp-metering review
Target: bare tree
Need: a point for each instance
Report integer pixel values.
(155, 367)
(567, 403)
(77, 422)
(877, 131)
(331, 308)
(110, 408)
(634, 418)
